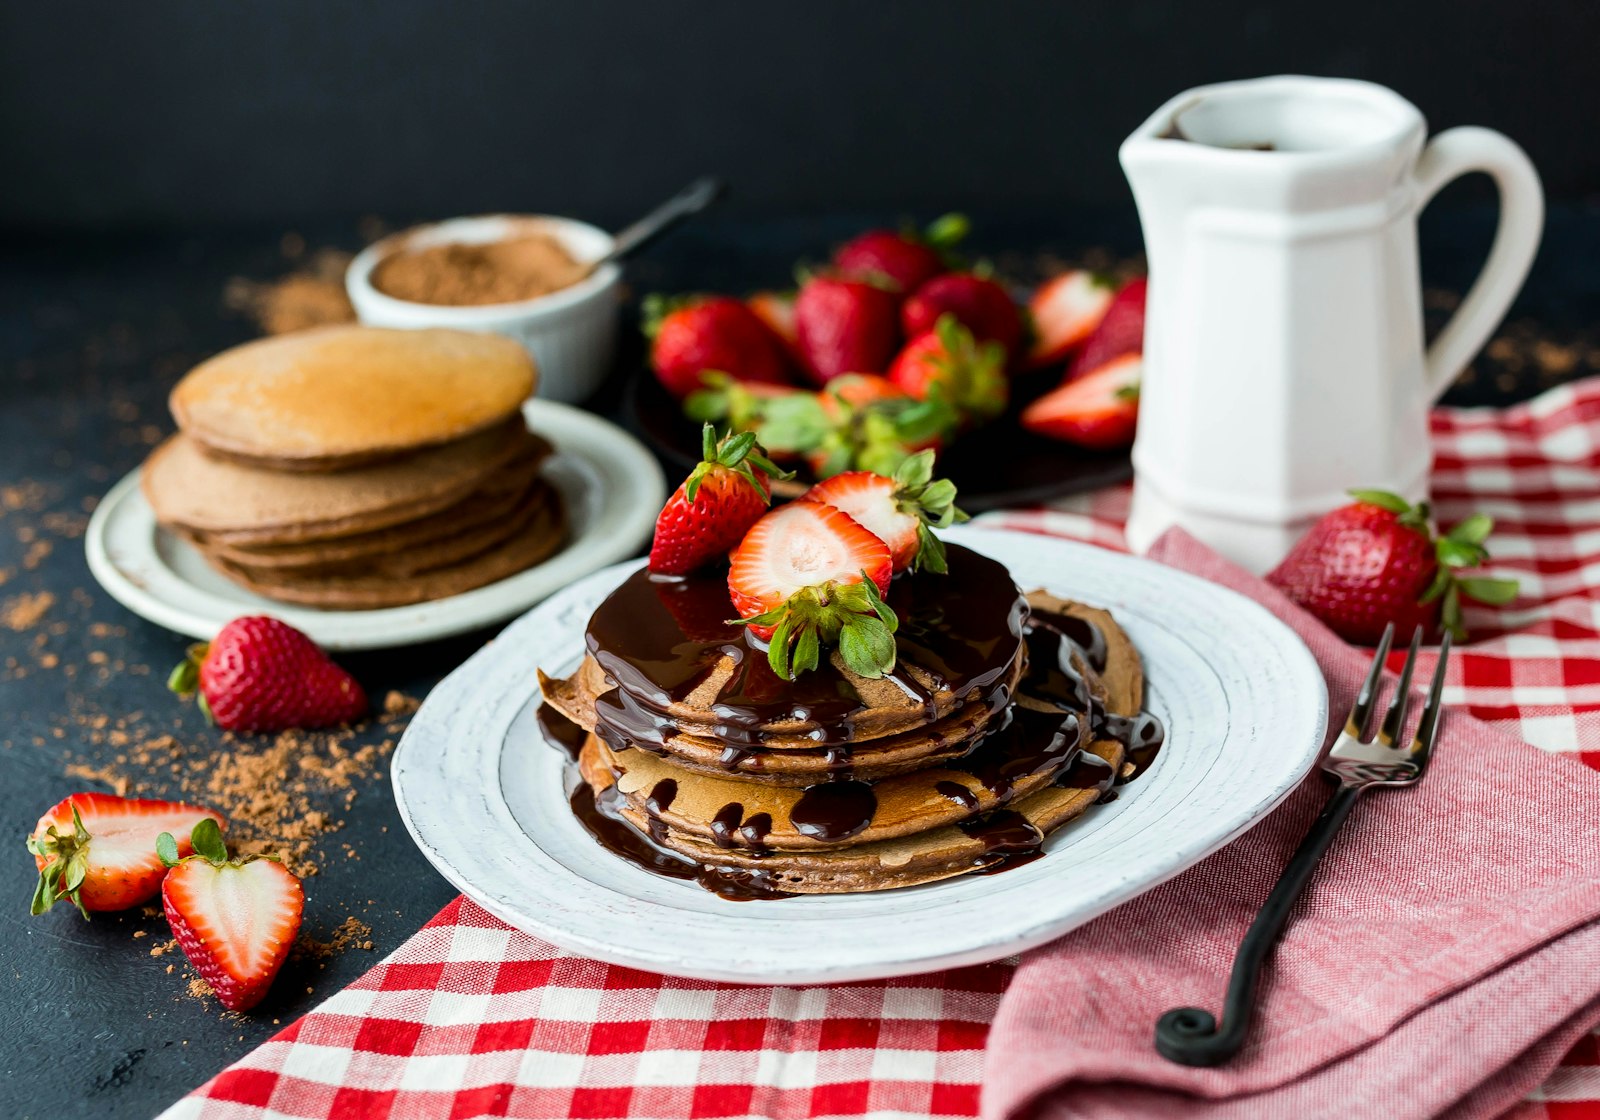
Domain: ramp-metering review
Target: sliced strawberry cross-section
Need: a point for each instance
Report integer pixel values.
(902, 511)
(235, 920)
(809, 575)
(98, 851)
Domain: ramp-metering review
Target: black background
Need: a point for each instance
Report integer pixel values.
(151, 152)
(282, 110)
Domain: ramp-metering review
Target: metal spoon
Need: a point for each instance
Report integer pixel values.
(685, 204)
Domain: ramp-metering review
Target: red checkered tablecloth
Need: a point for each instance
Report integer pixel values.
(469, 1018)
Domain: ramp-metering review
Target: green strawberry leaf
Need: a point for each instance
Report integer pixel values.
(867, 647)
(1474, 530)
(1394, 503)
(1439, 584)
(206, 839)
(1494, 592)
(1454, 554)
(167, 849)
(946, 231)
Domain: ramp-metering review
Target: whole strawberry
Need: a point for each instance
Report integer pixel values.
(947, 364)
(905, 259)
(689, 337)
(845, 326)
(711, 511)
(261, 674)
(1378, 561)
(978, 303)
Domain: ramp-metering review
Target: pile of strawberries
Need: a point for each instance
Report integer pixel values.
(810, 574)
(894, 347)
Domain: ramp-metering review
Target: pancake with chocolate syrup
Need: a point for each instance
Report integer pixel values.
(853, 815)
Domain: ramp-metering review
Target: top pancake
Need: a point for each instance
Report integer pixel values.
(344, 396)
(678, 665)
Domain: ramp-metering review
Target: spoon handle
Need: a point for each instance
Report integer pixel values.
(690, 201)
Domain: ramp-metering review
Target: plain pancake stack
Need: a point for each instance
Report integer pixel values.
(355, 468)
(1006, 717)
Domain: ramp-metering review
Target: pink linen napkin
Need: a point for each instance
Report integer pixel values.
(1444, 958)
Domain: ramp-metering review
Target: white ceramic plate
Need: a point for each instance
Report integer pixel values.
(1243, 701)
(612, 486)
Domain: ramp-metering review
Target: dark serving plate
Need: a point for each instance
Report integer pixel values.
(994, 467)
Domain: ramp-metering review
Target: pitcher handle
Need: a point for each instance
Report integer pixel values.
(1456, 152)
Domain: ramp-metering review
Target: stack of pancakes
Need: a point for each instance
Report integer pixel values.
(355, 468)
(991, 733)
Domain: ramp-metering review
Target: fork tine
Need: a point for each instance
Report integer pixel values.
(1395, 721)
(1356, 724)
(1428, 726)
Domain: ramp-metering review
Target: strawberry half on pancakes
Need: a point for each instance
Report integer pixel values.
(808, 575)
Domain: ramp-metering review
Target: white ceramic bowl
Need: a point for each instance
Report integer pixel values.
(571, 333)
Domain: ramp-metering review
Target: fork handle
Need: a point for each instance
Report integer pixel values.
(1191, 1036)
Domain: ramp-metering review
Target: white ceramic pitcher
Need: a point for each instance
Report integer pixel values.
(1284, 359)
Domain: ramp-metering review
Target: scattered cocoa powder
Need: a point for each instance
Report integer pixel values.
(312, 296)
(23, 612)
(352, 933)
(460, 275)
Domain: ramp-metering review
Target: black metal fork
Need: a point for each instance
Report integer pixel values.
(1192, 1036)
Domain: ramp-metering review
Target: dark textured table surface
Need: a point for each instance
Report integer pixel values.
(93, 332)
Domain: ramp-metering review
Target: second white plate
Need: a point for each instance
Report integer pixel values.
(1243, 701)
(612, 486)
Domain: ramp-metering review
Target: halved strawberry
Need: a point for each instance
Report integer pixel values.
(1120, 331)
(948, 364)
(106, 859)
(1065, 310)
(808, 574)
(901, 511)
(714, 507)
(235, 920)
(776, 310)
(1099, 410)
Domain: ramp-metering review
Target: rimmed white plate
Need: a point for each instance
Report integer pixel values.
(612, 486)
(1243, 701)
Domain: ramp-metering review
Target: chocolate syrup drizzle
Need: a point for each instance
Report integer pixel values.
(675, 635)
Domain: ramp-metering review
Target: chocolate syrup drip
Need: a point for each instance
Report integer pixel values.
(559, 731)
(602, 817)
(1088, 771)
(1026, 743)
(732, 757)
(958, 793)
(841, 764)
(660, 640)
(661, 795)
(726, 823)
(754, 833)
(1053, 641)
(834, 811)
(1143, 736)
(1003, 832)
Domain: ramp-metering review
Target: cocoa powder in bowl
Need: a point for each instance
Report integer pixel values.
(461, 274)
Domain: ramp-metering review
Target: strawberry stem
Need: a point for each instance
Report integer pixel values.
(851, 615)
(67, 860)
(1463, 547)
